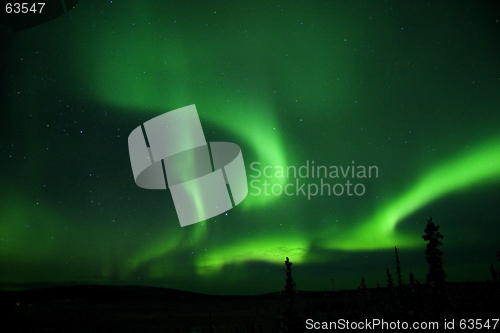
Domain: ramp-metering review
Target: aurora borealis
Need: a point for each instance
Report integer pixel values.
(409, 87)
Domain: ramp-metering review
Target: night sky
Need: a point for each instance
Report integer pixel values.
(411, 87)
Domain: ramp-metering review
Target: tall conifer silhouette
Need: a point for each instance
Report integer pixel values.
(434, 256)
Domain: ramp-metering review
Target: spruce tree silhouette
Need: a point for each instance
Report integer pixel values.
(398, 269)
(433, 255)
(493, 274)
(436, 275)
(290, 284)
(290, 321)
(363, 284)
(390, 283)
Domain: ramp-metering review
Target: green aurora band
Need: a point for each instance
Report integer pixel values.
(141, 63)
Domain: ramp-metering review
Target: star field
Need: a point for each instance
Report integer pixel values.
(411, 88)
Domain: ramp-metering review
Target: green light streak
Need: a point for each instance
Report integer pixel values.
(29, 231)
(266, 248)
(161, 245)
(160, 80)
(464, 171)
(253, 121)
